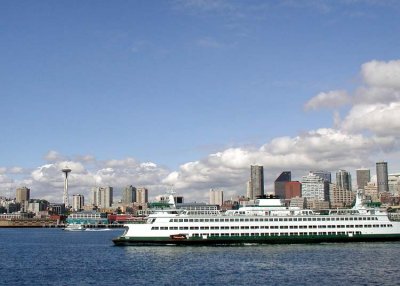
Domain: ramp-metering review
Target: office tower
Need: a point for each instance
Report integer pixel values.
(326, 176)
(280, 182)
(363, 178)
(343, 180)
(382, 177)
(216, 197)
(314, 187)
(78, 201)
(66, 171)
(142, 195)
(292, 189)
(257, 181)
(22, 194)
(129, 195)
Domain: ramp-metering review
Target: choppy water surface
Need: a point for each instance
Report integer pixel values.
(57, 257)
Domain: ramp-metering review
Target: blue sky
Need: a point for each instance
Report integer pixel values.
(176, 82)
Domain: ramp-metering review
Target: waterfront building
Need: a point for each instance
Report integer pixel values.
(280, 183)
(142, 195)
(128, 195)
(340, 197)
(363, 178)
(256, 181)
(314, 187)
(37, 206)
(382, 177)
(343, 180)
(87, 217)
(292, 189)
(78, 201)
(216, 197)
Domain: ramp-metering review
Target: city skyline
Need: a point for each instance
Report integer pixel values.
(190, 93)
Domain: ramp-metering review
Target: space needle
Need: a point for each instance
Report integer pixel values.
(66, 171)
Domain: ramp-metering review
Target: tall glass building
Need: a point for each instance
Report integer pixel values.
(343, 180)
(256, 182)
(280, 183)
(382, 177)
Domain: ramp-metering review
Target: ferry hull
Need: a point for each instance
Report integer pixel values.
(150, 241)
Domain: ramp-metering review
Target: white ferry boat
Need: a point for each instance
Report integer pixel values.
(266, 222)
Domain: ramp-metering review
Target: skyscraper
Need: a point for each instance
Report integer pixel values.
(280, 183)
(142, 195)
(382, 177)
(256, 181)
(343, 180)
(363, 178)
(129, 195)
(22, 194)
(102, 197)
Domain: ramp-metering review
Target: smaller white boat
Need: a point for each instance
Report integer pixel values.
(74, 227)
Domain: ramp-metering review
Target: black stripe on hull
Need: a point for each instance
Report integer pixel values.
(256, 240)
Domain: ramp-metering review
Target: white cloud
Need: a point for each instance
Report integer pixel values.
(382, 74)
(381, 119)
(331, 99)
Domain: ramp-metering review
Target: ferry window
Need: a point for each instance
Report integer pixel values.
(314, 219)
(368, 218)
(190, 220)
(290, 219)
(196, 220)
(232, 219)
(185, 220)
(281, 219)
(183, 227)
(154, 228)
(163, 228)
(251, 219)
(206, 220)
(295, 219)
(194, 227)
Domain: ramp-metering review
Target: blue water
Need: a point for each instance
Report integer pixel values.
(57, 257)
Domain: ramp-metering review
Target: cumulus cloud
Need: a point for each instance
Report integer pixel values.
(331, 99)
(382, 74)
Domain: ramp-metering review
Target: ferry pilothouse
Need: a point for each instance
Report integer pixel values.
(265, 222)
